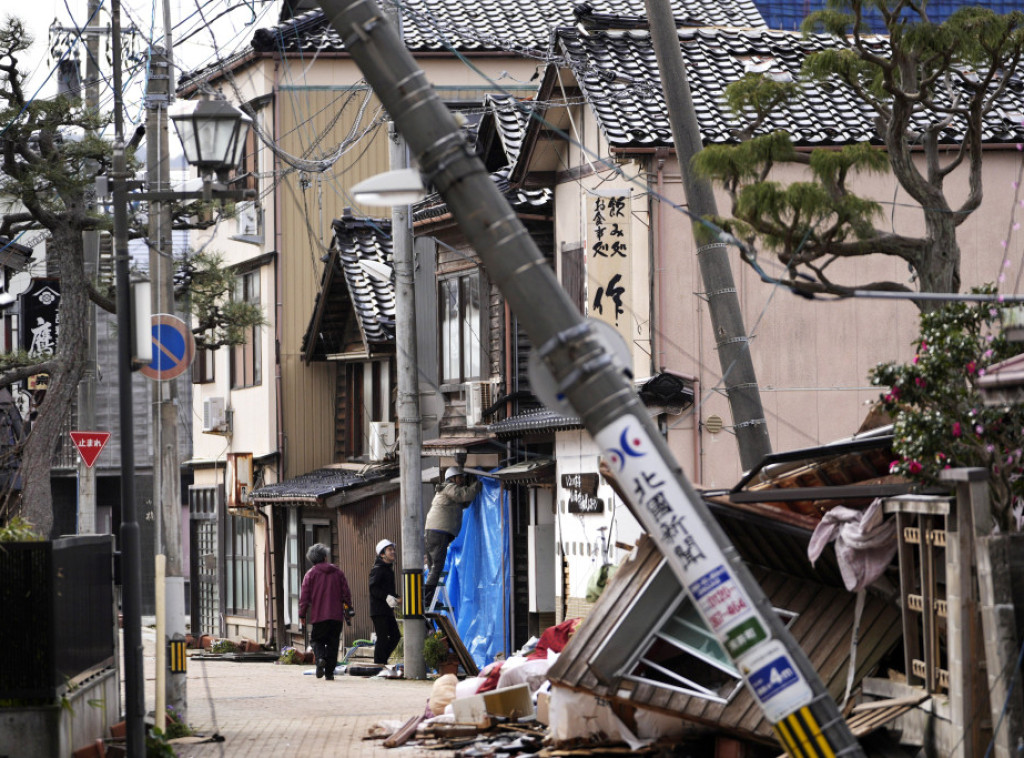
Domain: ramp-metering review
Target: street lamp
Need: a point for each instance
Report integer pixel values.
(212, 133)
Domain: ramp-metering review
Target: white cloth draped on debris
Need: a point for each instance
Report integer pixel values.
(865, 542)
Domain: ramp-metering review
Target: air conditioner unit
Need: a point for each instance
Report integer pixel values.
(250, 219)
(479, 397)
(215, 416)
(382, 440)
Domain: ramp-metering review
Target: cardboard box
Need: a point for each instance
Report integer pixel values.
(507, 702)
(544, 708)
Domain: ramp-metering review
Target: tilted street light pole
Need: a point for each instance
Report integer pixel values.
(776, 671)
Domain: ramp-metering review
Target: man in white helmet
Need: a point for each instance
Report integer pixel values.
(444, 520)
(383, 602)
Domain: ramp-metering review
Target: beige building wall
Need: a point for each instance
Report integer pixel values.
(811, 358)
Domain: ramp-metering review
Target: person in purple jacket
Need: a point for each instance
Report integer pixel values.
(322, 602)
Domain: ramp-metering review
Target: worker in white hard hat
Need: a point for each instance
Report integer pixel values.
(383, 602)
(444, 520)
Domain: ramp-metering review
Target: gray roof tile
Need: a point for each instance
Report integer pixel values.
(618, 72)
(490, 24)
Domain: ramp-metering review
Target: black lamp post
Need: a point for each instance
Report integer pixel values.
(213, 134)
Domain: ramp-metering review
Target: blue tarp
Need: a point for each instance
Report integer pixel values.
(479, 575)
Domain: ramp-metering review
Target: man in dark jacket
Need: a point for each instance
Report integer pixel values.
(322, 601)
(444, 520)
(383, 602)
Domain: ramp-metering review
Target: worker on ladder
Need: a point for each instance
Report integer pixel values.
(444, 520)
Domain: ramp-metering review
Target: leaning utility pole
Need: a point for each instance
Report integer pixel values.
(166, 466)
(719, 287)
(774, 668)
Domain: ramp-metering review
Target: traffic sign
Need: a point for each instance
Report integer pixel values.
(174, 347)
(89, 445)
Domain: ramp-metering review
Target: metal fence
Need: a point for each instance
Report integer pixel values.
(57, 619)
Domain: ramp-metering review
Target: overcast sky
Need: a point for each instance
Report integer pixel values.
(194, 44)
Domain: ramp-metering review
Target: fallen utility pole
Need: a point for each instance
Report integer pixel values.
(731, 339)
(775, 669)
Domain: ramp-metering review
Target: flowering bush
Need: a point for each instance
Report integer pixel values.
(939, 419)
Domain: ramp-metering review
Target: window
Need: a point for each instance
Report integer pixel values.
(202, 367)
(240, 564)
(247, 359)
(460, 320)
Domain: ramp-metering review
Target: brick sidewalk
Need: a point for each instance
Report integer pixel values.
(263, 709)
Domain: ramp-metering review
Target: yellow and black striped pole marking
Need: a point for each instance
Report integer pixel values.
(412, 595)
(178, 660)
(800, 734)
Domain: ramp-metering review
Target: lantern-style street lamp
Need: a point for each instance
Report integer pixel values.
(212, 133)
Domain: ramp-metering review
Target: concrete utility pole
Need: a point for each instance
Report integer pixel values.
(410, 426)
(91, 249)
(410, 423)
(775, 669)
(166, 466)
(719, 287)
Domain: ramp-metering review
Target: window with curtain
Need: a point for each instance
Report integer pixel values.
(247, 358)
(460, 319)
(240, 562)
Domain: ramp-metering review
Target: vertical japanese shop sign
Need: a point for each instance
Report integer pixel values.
(40, 321)
(609, 259)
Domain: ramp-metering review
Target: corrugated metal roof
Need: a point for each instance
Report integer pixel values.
(618, 73)
(320, 484)
(487, 25)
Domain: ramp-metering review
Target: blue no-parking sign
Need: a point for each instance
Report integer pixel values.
(174, 347)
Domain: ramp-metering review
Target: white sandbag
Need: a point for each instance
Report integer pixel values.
(442, 693)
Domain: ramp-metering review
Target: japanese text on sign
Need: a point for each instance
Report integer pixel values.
(609, 230)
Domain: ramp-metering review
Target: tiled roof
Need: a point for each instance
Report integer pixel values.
(521, 200)
(618, 72)
(320, 484)
(347, 288)
(486, 25)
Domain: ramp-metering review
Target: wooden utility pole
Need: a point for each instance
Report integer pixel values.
(712, 255)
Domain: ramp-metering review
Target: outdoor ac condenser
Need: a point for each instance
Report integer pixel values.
(215, 416)
(382, 440)
(478, 399)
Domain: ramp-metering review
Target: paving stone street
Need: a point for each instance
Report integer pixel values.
(266, 709)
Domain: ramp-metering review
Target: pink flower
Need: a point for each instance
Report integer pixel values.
(893, 467)
(957, 431)
(924, 347)
(916, 359)
(972, 367)
(914, 467)
(979, 429)
(919, 381)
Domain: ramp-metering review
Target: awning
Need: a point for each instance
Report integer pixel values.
(537, 471)
(329, 487)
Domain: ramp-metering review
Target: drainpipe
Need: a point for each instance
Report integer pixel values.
(278, 286)
(275, 580)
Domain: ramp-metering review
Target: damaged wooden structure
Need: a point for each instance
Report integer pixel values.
(644, 645)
